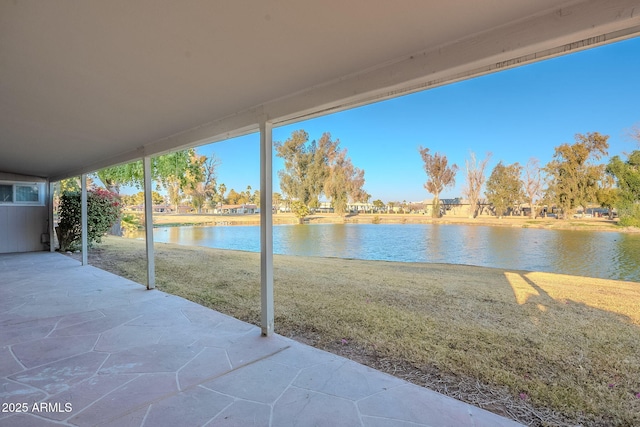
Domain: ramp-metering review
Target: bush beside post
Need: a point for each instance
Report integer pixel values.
(103, 210)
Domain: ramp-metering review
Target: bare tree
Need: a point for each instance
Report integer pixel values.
(634, 133)
(440, 175)
(475, 180)
(533, 185)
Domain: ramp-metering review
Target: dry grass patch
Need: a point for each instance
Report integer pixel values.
(545, 349)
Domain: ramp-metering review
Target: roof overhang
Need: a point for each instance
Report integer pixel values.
(89, 84)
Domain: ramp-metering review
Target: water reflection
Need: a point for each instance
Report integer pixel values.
(623, 245)
(585, 253)
(505, 246)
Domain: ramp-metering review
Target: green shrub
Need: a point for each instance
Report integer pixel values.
(630, 216)
(103, 210)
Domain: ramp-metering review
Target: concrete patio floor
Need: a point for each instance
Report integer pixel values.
(80, 346)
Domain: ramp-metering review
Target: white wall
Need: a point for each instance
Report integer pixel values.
(21, 227)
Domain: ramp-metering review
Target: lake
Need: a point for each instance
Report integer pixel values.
(607, 255)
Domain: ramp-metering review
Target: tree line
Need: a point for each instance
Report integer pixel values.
(313, 169)
(573, 180)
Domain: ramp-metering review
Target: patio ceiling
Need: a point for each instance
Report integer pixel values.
(87, 84)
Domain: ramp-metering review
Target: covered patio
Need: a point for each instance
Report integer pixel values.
(91, 84)
(81, 346)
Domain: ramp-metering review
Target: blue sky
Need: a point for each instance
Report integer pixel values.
(515, 114)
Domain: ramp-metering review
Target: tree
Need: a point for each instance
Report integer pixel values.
(174, 193)
(627, 174)
(113, 178)
(201, 180)
(574, 175)
(304, 167)
(365, 199)
(277, 201)
(244, 198)
(138, 198)
(378, 204)
(344, 182)
(300, 210)
(171, 170)
(607, 194)
(391, 205)
(176, 170)
(504, 188)
(439, 176)
(222, 189)
(321, 154)
(317, 167)
(474, 181)
(532, 183)
(103, 209)
(234, 198)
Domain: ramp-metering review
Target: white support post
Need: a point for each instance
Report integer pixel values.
(148, 224)
(266, 228)
(85, 227)
(52, 226)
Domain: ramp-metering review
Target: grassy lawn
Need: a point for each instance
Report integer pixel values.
(541, 348)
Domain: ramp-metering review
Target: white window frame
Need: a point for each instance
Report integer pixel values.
(14, 184)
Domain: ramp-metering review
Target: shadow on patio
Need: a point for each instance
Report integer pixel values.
(81, 346)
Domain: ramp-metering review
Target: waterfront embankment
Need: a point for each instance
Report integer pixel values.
(593, 224)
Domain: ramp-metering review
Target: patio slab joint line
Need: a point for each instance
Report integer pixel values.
(146, 414)
(10, 347)
(213, 377)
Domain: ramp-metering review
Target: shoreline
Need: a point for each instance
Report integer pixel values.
(588, 224)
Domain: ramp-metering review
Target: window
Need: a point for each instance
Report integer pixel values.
(21, 193)
(6, 193)
(27, 193)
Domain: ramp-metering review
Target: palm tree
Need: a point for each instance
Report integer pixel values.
(223, 189)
